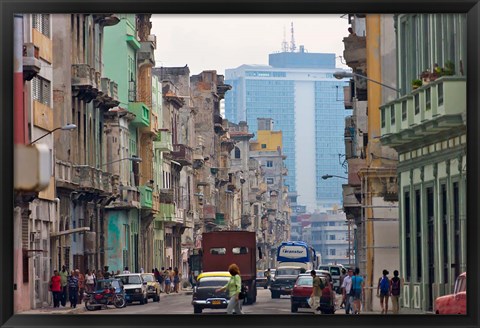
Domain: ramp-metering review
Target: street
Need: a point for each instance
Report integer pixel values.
(181, 304)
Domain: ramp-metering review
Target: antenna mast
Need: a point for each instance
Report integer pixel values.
(284, 43)
(292, 42)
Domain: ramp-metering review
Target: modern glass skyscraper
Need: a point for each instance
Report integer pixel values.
(299, 92)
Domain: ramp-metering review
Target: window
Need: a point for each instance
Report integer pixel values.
(41, 90)
(264, 146)
(332, 237)
(218, 251)
(383, 117)
(41, 22)
(445, 261)
(440, 94)
(269, 163)
(269, 180)
(237, 152)
(417, 103)
(392, 114)
(428, 99)
(404, 110)
(240, 250)
(408, 255)
(332, 251)
(418, 226)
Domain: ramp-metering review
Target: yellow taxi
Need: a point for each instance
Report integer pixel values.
(153, 286)
(204, 295)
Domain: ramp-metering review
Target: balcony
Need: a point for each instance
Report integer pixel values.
(145, 55)
(87, 178)
(142, 113)
(182, 154)
(146, 197)
(430, 109)
(64, 173)
(129, 197)
(355, 53)
(163, 141)
(84, 84)
(166, 213)
(31, 61)
(106, 19)
(166, 196)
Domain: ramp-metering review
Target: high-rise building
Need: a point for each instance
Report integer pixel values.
(299, 92)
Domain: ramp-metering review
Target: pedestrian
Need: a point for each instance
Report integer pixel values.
(268, 275)
(99, 275)
(317, 285)
(125, 270)
(342, 276)
(347, 297)
(383, 291)
(358, 285)
(234, 286)
(55, 286)
(327, 304)
(191, 278)
(81, 285)
(89, 281)
(73, 289)
(176, 279)
(395, 288)
(351, 33)
(167, 281)
(106, 274)
(64, 282)
(161, 280)
(142, 270)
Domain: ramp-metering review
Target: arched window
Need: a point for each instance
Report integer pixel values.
(237, 152)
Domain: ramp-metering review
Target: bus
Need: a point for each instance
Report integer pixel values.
(297, 253)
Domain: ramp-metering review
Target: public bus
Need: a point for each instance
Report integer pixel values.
(297, 253)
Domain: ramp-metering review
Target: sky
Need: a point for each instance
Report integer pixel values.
(219, 42)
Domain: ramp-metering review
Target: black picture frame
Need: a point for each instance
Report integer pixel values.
(9, 7)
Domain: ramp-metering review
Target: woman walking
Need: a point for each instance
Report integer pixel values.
(176, 280)
(89, 281)
(56, 288)
(167, 281)
(358, 286)
(234, 287)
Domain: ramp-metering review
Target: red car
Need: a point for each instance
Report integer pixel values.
(303, 289)
(455, 303)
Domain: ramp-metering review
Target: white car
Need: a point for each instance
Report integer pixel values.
(335, 272)
(135, 287)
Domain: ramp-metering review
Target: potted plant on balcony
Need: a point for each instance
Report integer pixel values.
(416, 84)
(449, 68)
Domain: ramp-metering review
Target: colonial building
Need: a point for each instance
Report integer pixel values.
(426, 125)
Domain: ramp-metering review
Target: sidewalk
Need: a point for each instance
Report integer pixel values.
(81, 307)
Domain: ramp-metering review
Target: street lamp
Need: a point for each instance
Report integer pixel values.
(65, 127)
(133, 159)
(328, 176)
(342, 74)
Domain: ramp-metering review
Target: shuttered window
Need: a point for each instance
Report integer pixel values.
(41, 90)
(41, 22)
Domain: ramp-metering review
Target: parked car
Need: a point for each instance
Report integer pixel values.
(455, 303)
(335, 271)
(302, 290)
(153, 286)
(284, 280)
(135, 287)
(204, 295)
(261, 279)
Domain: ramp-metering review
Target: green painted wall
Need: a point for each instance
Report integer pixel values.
(119, 56)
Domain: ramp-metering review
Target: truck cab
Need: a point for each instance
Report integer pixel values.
(455, 303)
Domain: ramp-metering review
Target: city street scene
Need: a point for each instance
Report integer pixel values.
(276, 164)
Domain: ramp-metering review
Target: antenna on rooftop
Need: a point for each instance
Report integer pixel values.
(284, 43)
(292, 42)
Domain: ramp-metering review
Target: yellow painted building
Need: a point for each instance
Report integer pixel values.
(267, 141)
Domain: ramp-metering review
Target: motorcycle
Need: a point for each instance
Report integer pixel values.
(102, 299)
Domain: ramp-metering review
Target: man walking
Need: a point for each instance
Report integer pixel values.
(316, 292)
(64, 284)
(395, 288)
(73, 289)
(346, 291)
